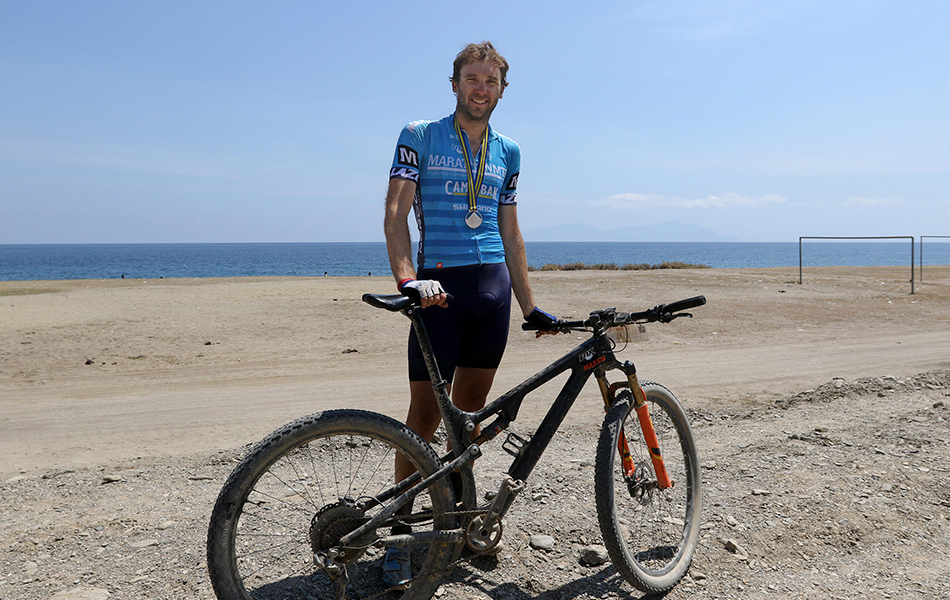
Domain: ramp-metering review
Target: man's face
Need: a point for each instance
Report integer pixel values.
(478, 89)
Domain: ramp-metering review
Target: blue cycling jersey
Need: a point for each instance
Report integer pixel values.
(429, 153)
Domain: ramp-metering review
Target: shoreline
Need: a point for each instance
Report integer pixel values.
(942, 270)
(155, 261)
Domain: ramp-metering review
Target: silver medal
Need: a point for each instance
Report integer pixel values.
(473, 219)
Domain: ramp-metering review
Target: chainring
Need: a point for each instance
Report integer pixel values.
(481, 539)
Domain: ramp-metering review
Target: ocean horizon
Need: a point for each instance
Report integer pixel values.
(315, 259)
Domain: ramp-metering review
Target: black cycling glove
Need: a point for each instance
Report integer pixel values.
(542, 320)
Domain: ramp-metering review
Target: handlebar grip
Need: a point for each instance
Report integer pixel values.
(685, 304)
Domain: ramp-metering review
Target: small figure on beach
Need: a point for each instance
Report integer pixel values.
(470, 245)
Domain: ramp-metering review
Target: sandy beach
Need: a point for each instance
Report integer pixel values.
(92, 371)
(154, 386)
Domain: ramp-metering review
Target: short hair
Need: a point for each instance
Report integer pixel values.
(478, 52)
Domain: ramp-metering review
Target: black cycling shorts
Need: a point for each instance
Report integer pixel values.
(473, 330)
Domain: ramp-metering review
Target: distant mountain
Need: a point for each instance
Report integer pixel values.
(663, 232)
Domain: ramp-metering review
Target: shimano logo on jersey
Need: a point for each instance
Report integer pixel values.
(408, 157)
(485, 209)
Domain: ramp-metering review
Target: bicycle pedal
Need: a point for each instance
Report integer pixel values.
(514, 444)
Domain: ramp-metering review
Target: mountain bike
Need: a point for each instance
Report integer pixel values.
(310, 509)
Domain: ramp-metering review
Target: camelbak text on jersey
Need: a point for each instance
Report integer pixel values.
(430, 154)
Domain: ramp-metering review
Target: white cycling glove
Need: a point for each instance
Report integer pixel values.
(421, 288)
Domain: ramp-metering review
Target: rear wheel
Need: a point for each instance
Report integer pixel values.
(303, 488)
(650, 533)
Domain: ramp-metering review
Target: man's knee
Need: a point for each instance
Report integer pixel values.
(423, 424)
(472, 387)
(424, 416)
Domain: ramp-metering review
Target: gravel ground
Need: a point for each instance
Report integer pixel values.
(842, 491)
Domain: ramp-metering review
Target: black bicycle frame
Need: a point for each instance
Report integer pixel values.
(593, 357)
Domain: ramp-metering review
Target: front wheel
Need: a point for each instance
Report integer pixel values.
(650, 533)
(306, 486)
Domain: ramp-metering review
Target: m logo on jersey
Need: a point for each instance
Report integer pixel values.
(408, 157)
(513, 183)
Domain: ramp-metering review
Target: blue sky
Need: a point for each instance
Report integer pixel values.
(268, 122)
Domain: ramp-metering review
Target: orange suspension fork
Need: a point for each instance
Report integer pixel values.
(626, 461)
(649, 434)
(646, 426)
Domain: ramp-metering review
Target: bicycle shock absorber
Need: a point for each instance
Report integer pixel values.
(646, 426)
(649, 436)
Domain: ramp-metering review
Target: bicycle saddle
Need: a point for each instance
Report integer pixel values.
(391, 302)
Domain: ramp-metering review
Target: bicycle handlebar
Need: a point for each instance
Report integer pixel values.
(685, 304)
(609, 317)
(598, 320)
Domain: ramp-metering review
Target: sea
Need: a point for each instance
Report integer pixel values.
(154, 261)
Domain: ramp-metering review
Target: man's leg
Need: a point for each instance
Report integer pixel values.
(471, 387)
(423, 418)
(469, 392)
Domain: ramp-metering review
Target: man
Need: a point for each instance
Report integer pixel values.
(460, 177)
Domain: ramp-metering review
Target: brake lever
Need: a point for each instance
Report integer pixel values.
(563, 327)
(668, 317)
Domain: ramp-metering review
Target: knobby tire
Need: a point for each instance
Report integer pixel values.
(650, 534)
(304, 482)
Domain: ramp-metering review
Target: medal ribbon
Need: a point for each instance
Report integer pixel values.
(473, 187)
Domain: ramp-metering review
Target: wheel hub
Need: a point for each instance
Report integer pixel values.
(641, 486)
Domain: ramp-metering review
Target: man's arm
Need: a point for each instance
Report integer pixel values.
(396, 227)
(515, 256)
(398, 243)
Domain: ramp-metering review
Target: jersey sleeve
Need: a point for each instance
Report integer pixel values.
(409, 150)
(509, 192)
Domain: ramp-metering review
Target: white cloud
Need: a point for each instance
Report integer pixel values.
(874, 201)
(638, 201)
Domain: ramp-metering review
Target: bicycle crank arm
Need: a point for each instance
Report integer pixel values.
(481, 537)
